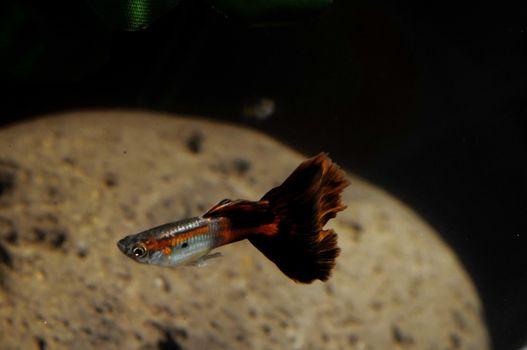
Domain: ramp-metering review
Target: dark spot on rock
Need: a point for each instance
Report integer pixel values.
(253, 313)
(231, 274)
(125, 151)
(195, 142)
(103, 307)
(180, 333)
(200, 207)
(397, 335)
(328, 288)
(53, 192)
(455, 341)
(237, 166)
(170, 338)
(7, 231)
(357, 226)
(376, 305)
(128, 212)
(40, 234)
(58, 239)
(400, 337)
(104, 337)
(266, 328)
(82, 251)
(8, 171)
(110, 180)
(215, 325)
(242, 166)
(49, 232)
(5, 256)
(7, 183)
(69, 160)
(353, 339)
(459, 320)
(41, 343)
(357, 230)
(240, 337)
(378, 268)
(12, 237)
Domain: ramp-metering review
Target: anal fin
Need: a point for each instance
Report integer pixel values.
(203, 261)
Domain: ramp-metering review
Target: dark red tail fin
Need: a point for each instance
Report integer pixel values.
(303, 204)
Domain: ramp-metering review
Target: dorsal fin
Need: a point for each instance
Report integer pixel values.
(217, 208)
(242, 213)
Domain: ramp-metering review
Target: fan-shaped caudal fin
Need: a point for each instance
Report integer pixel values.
(302, 205)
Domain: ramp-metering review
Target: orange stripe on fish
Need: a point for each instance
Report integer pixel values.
(171, 241)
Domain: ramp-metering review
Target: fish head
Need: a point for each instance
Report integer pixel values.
(135, 247)
(140, 249)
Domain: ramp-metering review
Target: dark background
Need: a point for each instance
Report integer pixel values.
(423, 99)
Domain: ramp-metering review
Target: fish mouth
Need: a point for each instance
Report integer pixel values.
(121, 244)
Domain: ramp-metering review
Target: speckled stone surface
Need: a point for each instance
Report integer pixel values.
(71, 185)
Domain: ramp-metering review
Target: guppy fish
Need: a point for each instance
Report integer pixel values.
(286, 225)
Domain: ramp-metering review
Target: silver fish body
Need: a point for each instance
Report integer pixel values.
(177, 243)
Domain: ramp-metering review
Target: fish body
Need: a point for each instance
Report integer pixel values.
(172, 244)
(286, 225)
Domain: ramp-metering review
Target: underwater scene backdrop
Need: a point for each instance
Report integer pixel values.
(420, 103)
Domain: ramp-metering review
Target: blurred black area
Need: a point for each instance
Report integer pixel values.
(424, 99)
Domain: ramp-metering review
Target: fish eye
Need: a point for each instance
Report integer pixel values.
(139, 251)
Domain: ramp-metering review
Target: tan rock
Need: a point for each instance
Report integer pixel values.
(72, 185)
